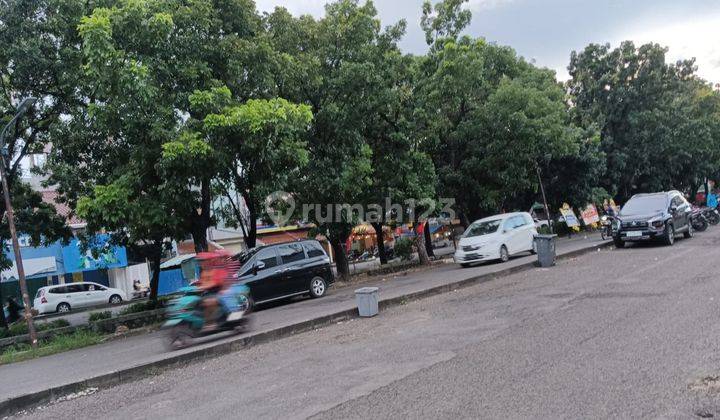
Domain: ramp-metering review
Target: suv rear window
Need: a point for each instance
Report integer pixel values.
(314, 249)
(58, 290)
(291, 253)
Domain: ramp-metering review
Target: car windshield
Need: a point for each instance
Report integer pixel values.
(645, 205)
(482, 228)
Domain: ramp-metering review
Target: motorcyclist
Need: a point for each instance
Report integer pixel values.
(214, 280)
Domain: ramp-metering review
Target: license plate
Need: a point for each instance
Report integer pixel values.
(634, 234)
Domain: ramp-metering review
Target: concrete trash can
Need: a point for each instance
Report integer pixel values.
(545, 248)
(367, 301)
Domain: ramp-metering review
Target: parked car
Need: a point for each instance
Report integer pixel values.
(284, 270)
(496, 238)
(66, 297)
(655, 216)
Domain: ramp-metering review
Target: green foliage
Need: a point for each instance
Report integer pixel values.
(20, 328)
(57, 344)
(490, 119)
(446, 18)
(98, 316)
(148, 305)
(404, 248)
(658, 122)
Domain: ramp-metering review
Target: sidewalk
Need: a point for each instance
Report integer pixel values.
(38, 380)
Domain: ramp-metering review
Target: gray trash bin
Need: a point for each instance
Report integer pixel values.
(367, 301)
(545, 248)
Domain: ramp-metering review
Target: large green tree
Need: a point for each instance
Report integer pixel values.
(37, 47)
(257, 147)
(488, 117)
(331, 67)
(142, 60)
(656, 119)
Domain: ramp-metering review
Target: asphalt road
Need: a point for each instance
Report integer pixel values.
(617, 333)
(36, 375)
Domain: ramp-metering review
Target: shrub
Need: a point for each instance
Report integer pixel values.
(97, 316)
(404, 248)
(145, 306)
(20, 328)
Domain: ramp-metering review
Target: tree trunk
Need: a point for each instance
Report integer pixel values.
(420, 245)
(341, 261)
(155, 279)
(3, 320)
(428, 240)
(201, 221)
(380, 242)
(251, 237)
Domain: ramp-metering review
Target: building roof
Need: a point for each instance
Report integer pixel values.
(176, 261)
(51, 197)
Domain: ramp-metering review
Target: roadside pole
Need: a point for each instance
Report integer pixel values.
(27, 103)
(542, 190)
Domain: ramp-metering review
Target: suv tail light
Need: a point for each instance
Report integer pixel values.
(43, 300)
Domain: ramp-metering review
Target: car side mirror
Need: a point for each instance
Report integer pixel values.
(673, 208)
(258, 266)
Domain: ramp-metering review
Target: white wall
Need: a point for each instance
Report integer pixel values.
(123, 278)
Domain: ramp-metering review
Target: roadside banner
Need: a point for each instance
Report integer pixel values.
(590, 214)
(570, 218)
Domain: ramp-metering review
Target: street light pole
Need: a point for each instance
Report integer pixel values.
(27, 103)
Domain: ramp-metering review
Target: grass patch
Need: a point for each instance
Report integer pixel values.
(57, 344)
(20, 328)
(97, 316)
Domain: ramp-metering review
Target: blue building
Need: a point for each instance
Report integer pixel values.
(58, 263)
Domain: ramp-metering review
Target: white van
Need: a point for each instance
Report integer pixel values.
(496, 238)
(65, 297)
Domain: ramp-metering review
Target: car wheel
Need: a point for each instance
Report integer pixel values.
(115, 299)
(619, 243)
(318, 287)
(63, 307)
(669, 236)
(504, 255)
(689, 232)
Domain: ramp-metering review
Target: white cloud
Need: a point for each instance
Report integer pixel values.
(478, 5)
(685, 40)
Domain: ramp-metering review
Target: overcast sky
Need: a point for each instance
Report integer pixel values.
(547, 31)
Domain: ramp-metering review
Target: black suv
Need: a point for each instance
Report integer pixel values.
(287, 269)
(653, 216)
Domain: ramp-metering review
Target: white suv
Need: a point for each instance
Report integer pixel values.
(65, 297)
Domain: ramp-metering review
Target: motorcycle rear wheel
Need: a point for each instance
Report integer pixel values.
(713, 218)
(179, 337)
(700, 225)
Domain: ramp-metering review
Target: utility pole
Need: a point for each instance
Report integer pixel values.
(542, 190)
(27, 103)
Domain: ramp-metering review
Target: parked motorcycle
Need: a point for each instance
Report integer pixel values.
(185, 320)
(606, 222)
(712, 215)
(698, 219)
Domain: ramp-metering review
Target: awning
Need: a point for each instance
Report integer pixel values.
(176, 261)
(32, 266)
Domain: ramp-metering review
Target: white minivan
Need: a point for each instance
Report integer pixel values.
(496, 238)
(65, 297)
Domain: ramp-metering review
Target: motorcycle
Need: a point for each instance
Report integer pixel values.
(606, 222)
(185, 319)
(712, 215)
(698, 219)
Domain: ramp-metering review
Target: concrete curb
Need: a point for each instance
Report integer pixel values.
(13, 405)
